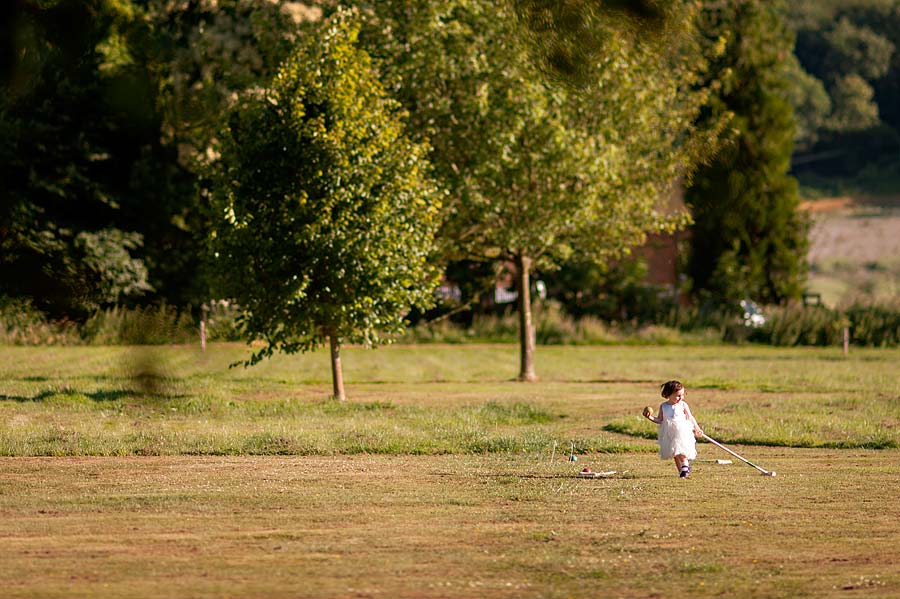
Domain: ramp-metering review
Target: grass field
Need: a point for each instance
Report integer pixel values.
(159, 472)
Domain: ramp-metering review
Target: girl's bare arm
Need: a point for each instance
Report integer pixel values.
(687, 411)
(648, 414)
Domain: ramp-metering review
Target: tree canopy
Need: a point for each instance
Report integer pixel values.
(551, 125)
(749, 238)
(538, 171)
(86, 182)
(325, 213)
(849, 53)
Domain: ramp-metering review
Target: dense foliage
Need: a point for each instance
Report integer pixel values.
(105, 109)
(208, 51)
(851, 50)
(552, 124)
(749, 239)
(89, 192)
(324, 212)
(538, 170)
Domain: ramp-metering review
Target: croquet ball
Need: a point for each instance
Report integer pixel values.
(586, 470)
(573, 458)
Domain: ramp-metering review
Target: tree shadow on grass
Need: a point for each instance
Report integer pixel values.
(802, 357)
(98, 396)
(101, 396)
(610, 381)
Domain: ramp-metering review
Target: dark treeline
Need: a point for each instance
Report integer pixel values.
(848, 91)
(110, 110)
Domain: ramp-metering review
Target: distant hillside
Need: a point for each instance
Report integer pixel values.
(855, 248)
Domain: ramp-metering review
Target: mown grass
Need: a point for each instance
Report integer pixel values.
(73, 424)
(795, 420)
(490, 526)
(442, 477)
(434, 400)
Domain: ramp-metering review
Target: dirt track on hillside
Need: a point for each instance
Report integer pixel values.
(854, 229)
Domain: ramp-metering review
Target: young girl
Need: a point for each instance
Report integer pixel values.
(676, 425)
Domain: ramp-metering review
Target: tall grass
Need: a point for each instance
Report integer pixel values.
(159, 324)
(152, 325)
(800, 325)
(554, 327)
(870, 324)
(72, 423)
(433, 400)
(22, 324)
(875, 325)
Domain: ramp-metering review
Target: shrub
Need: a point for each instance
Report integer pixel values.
(552, 326)
(222, 321)
(152, 325)
(22, 324)
(495, 329)
(442, 331)
(876, 324)
(870, 324)
(796, 324)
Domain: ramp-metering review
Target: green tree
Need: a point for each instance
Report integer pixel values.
(850, 50)
(325, 213)
(749, 238)
(883, 18)
(206, 52)
(88, 191)
(569, 38)
(203, 54)
(537, 169)
(852, 57)
(811, 102)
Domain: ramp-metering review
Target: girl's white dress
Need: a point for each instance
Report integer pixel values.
(676, 433)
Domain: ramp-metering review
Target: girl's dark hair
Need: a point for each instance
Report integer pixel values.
(671, 387)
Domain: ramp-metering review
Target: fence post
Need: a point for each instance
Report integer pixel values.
(203, 328)
(846, 340)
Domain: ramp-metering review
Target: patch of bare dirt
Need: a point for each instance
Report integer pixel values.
(842, 203)
(855, 229)
(827, 204)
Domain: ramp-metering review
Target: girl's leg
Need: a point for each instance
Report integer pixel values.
(681, 463)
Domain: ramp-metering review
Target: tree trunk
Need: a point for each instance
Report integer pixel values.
(526, 329)
(337, 375)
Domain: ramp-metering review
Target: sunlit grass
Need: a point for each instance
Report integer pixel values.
(491, 526)
(434, 400)
(789, 421)
(76, 424)
(253, 483)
